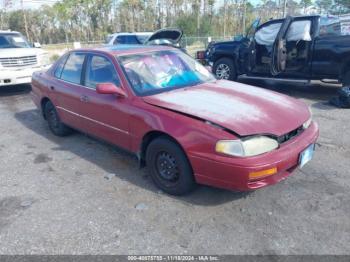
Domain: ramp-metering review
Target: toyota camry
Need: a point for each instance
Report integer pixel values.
(184, 125)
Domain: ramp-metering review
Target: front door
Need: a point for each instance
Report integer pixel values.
(105, 115)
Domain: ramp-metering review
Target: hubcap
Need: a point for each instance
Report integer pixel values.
(223, 71)
(167, 167)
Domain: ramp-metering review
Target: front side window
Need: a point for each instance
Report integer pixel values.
(266, 35)
(100, 70)
(73, 68)
(156, 72)
(13, 41)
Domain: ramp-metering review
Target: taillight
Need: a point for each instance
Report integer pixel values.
(200, 55)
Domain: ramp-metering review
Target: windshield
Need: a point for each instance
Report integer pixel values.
(156, 72)
(13, 41)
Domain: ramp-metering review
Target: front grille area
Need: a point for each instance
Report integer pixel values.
(284, 138)
(18, 61)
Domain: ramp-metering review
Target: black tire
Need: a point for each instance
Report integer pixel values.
(224, 68)
(169, 167)
(54, 122)
(346, 78)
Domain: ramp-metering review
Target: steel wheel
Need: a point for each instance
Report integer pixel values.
(167, 168)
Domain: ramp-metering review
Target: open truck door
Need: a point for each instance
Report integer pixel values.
(279, 49)
(251, 51)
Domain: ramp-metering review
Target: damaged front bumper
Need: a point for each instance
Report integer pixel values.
(233, 173)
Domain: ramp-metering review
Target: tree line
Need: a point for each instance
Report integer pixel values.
(89, 20)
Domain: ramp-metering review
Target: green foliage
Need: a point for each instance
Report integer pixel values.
(342, 6)
(88, 20)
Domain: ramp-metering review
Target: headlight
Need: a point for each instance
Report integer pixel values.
(44, 59)
(307, 123)
(249, 147)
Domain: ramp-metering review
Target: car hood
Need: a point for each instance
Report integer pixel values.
(241, 108)
(20, 52)
(172, 34)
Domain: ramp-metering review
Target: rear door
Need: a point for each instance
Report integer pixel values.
(105, 115)
(329, 49)
(67, 90)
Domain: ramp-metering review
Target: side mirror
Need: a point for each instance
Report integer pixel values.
(37, 45)
(110, 89)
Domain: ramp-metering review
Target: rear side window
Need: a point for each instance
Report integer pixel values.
(73, 68)
(330, 26)
(100, 70)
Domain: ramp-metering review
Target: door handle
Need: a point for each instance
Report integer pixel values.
(84, 98)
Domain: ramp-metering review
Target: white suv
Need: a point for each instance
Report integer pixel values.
(18, 60)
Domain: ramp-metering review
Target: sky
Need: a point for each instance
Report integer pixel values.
(33, 4)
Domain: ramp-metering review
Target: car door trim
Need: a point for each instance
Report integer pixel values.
(93, 120)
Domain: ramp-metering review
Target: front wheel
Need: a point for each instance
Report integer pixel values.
(169, 167)
(224, 69)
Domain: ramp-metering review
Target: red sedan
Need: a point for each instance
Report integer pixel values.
(182, 123)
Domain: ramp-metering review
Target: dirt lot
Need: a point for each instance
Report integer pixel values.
(59, 195)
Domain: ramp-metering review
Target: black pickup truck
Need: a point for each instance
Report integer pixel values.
(293, 48)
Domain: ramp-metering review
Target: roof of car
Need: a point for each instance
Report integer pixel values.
(128, 49)
(8, 32)
(131, 33)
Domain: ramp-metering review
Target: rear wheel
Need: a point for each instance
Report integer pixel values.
(224, 69)
(169, 167)
(55, 124)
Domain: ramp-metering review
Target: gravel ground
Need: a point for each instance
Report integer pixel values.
(77, 195)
